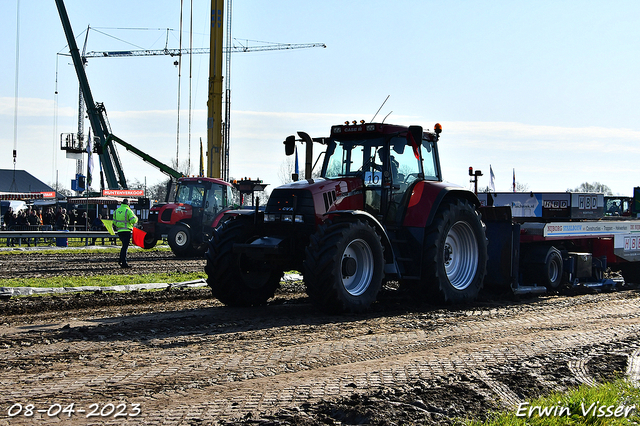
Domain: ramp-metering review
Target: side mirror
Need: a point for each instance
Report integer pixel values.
(416, 132)
(289, 145)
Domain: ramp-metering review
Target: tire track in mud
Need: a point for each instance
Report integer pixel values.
(188, 360)
(89, 262)
(224, 363)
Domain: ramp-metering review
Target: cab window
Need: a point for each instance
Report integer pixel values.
(430, 161)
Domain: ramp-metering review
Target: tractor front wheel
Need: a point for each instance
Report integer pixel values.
(236, 279)
(180, 240)
(343, 268)
(150, 241)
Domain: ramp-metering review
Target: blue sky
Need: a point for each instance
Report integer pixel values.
(548, 88)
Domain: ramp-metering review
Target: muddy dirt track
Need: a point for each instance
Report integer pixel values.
(179, 357)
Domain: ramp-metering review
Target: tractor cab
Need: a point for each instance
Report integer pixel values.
(204, 198)
(386, 159)
(189, 220)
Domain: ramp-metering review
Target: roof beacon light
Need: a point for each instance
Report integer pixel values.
(437, 128)
(361, 121)
(354, 122)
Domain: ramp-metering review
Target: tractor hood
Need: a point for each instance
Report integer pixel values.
(317, 195)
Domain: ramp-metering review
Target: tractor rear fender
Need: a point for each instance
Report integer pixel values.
(337, 215)
(427, 196)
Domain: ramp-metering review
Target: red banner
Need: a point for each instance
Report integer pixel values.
(123, 192)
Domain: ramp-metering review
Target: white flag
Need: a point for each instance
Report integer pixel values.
(492, 180)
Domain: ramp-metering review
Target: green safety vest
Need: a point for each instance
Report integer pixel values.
(124, 218)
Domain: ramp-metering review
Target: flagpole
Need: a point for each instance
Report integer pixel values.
(296, 170)
(492, 179)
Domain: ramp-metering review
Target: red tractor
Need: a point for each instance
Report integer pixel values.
(189, 221)
(379, 211)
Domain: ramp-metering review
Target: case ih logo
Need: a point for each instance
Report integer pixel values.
(555, 204)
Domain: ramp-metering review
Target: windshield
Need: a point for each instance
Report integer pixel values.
(349, 157)
(368, 158)
(191, 193)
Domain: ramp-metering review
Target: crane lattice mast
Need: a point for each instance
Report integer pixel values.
(217, 147)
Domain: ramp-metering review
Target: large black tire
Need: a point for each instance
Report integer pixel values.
(455, 254)
(344, 267)
(180, 240)
(544, 266)
(235, 279)
(150, 241)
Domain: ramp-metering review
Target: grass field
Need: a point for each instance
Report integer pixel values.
(102, 280)
(615, 403)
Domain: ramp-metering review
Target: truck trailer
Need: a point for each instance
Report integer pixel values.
(557, 238)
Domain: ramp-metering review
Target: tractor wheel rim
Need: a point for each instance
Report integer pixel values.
(554, 271)
(181, 238)
(360, 252)
(461, 255)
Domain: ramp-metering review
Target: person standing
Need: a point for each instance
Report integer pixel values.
(7, 217)
(123, 220)
(62, 221)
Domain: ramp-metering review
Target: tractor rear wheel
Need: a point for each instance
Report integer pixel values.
(455, 253)
(343, 267)
(234, 278)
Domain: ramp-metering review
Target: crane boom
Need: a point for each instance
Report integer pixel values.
(107, 153)
(98, 118)
(200, 50)
(217, 140)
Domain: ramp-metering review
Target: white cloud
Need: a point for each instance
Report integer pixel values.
(33, 107)
(547, 158)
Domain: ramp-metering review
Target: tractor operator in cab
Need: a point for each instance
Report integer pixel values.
(123, 220)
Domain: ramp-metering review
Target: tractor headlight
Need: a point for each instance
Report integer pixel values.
(287, 218)
(298, 218)
(269, 217)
